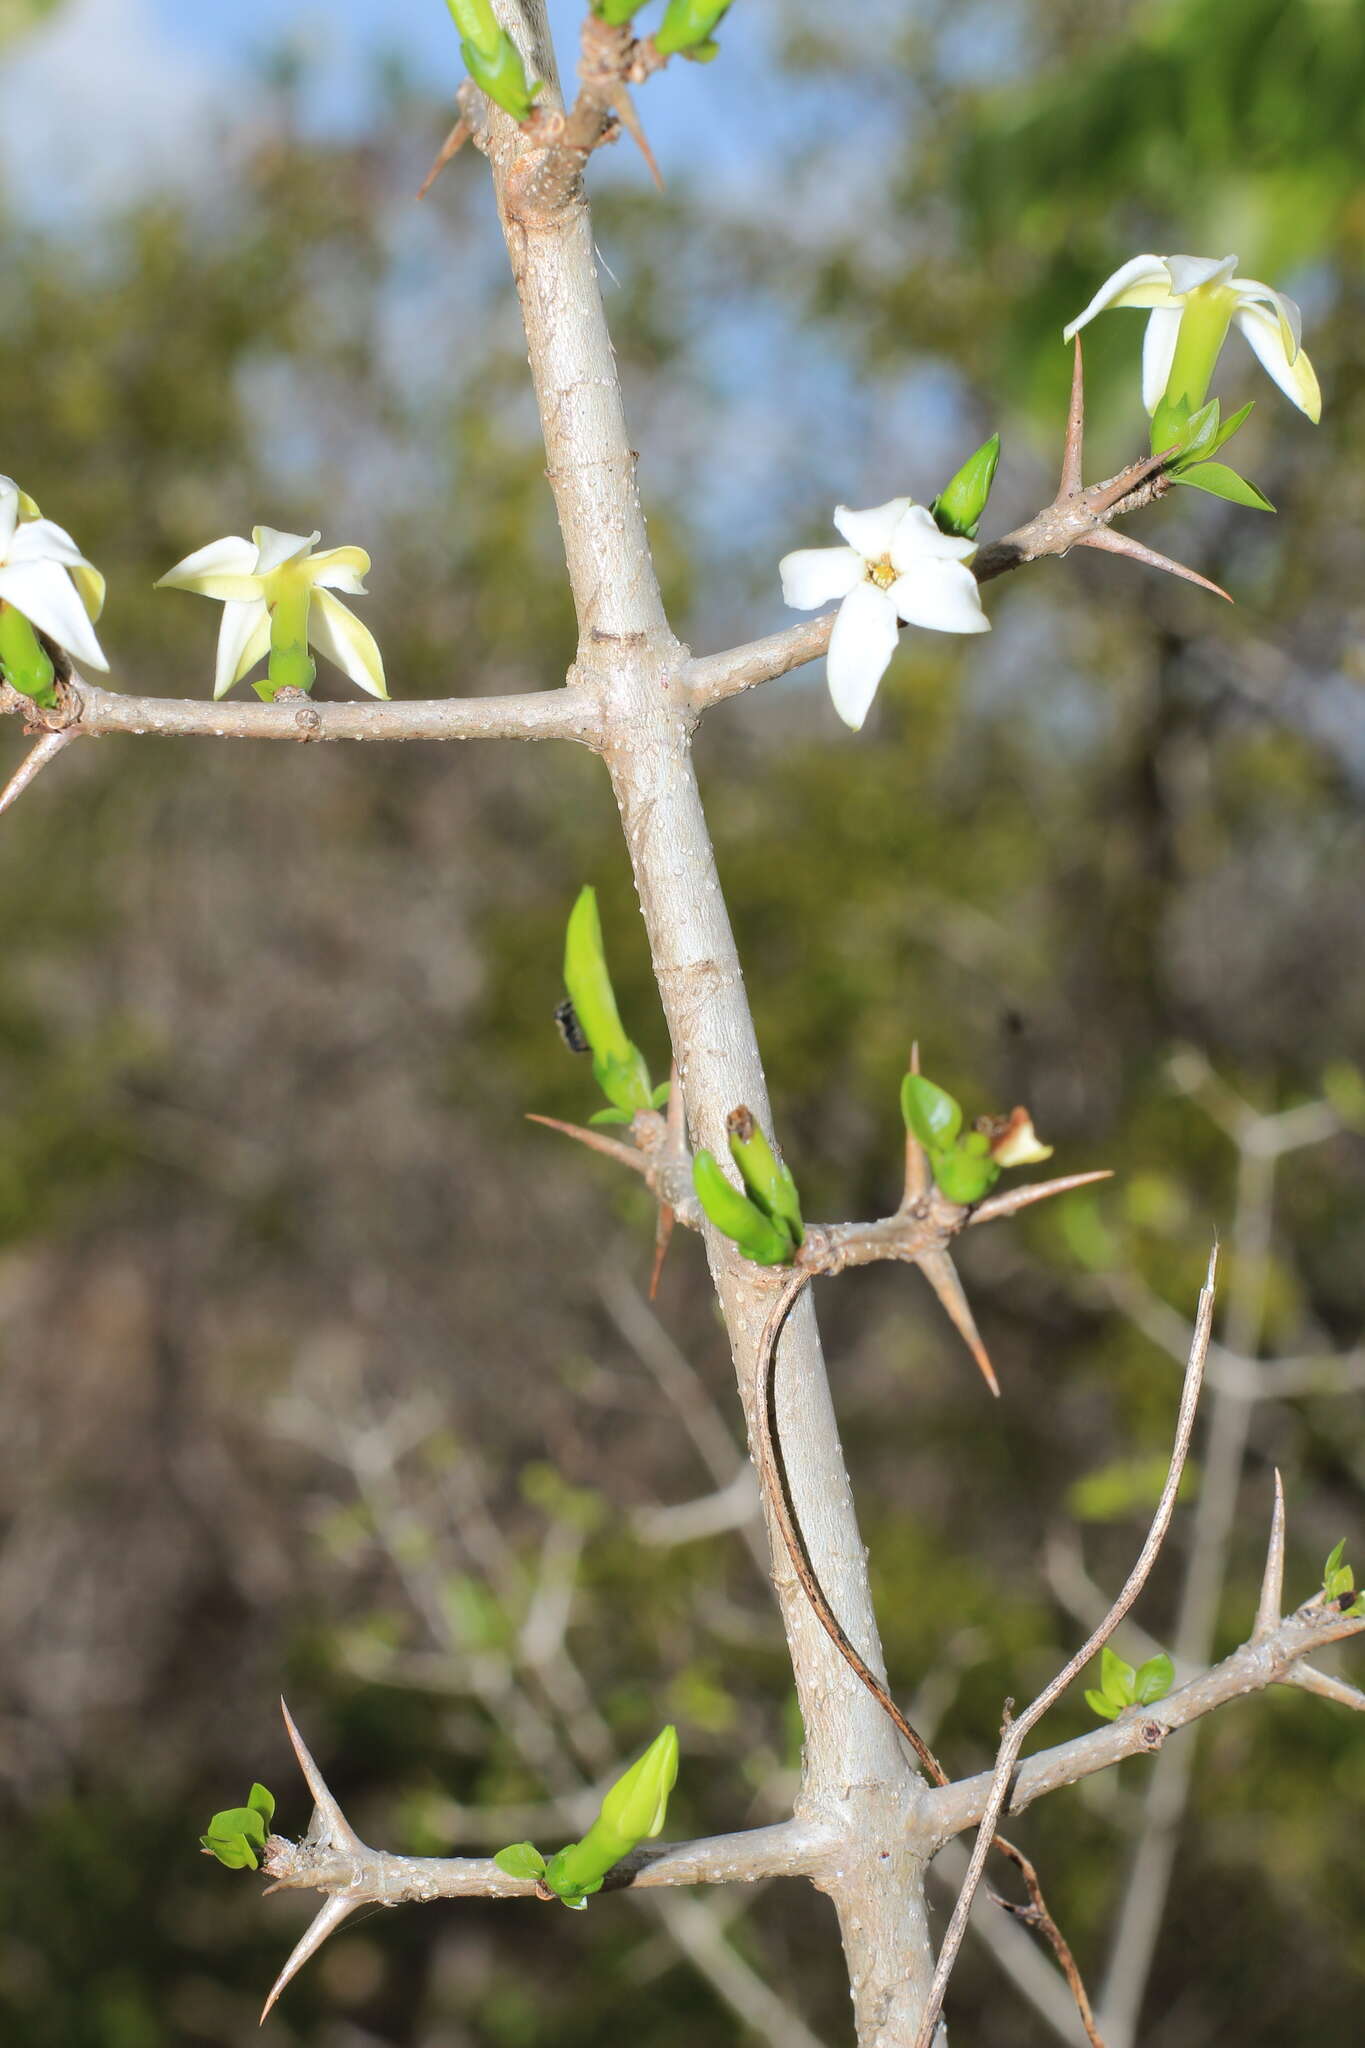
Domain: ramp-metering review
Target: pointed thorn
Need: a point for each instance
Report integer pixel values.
(1070, 483)
(325, 1921)
(1015, 1199)
(917, 1175)
(1270, 1607)
(914, 1057)
(1309, 1679)
(34, 762)
(939, 1270)
(624, 108)
(674, 1116)
(610, 1148)
(451, 147)
(662, 1235)
(335, 1828)
(1111, 543)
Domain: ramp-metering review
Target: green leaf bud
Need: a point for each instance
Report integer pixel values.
(632, 1811)
(930, 1112)
(521, 1859)
(1117, 1679)
(767, 1243)
(618, 1065)
(687, 26)
(960, 504)
(963, 1176)
(767, 1179)
(1098, 1704)
(502, 75)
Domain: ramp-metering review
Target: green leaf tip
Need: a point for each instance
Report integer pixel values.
(686, 28)
(761, 1238)
(521, 1859)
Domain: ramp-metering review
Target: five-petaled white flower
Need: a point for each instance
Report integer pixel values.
(897, 565)
(1193, 301)
(277, 597)
(44, 575)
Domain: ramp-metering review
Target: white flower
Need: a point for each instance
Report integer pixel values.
(1203, 293)
(274, 582)
(897, 565)
(44, 575)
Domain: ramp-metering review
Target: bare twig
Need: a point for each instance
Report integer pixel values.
(1013, 1738)
(567, 714)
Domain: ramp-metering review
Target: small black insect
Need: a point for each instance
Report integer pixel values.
(570, 1030)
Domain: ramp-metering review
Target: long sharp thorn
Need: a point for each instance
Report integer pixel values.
(939, 1270)
(325, 1921)
(663, 1233)
(1013, 1199)
(1309, 1679)
(610, 1148)
(334, 1826)
(34, 762)
(1075, 431)
(1111, 543)
(1270, 1607)
(451, 147)
(624, 108)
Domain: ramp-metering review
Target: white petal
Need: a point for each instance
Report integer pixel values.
(338, 634)
(870, 532)
(341, 569)
(42, 540)
(1297, 379)
(274, 548)
(1142, 281)
(215, 571)
(48, 599)
(1158, 353)
(861, 645)
(944, 596)
(1286, 311)
(243, 637)
(1187, 273)
(9, 512)
(919, 538)
(815, 576)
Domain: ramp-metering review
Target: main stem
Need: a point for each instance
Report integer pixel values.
(855, 1774)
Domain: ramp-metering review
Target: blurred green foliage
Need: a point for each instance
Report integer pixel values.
(308, 1373)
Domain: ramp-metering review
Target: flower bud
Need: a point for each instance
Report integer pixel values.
(959, 505)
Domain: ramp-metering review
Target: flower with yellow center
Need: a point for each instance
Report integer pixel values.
(277, 598)
(897, 566)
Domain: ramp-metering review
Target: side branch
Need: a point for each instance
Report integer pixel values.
(1140, 1731)
(563, 714)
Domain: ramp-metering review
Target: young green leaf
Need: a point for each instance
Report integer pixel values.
(1231, 425)
(930, 1112)
(1221, 482)
(686, 28)
(1117, 1679)
(1098, 1704)
(963, 1177)
(521, 1859)
(1153, 1680)
(617, 1065)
